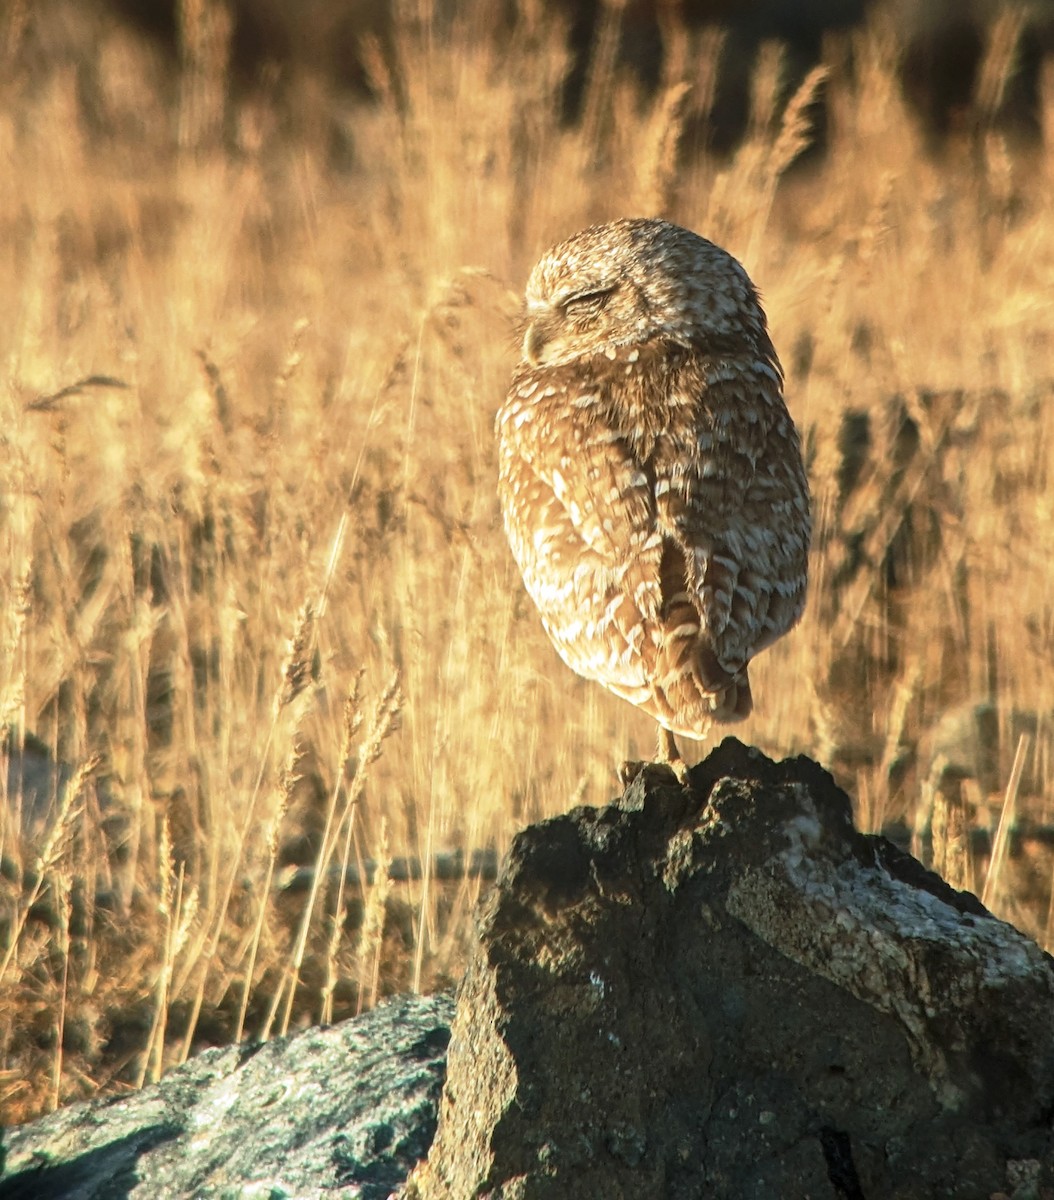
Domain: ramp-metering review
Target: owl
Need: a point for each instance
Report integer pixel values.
(650, 476)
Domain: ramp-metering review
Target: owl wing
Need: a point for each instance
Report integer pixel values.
(729, 558)
(580, 515)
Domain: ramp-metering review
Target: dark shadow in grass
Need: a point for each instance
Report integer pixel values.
(107, 1172)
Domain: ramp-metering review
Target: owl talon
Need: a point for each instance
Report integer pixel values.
(680, 769)
(629, 770)
(666, 755)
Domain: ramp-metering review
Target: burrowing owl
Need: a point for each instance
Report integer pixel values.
(651, 476)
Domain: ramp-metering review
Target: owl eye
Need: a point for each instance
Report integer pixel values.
(588, 302)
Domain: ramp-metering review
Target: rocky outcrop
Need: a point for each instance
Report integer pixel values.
(716, 990)
(725, 990)
(341, 1111)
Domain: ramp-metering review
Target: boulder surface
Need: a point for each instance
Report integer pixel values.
(339, 1111)
(724, 990)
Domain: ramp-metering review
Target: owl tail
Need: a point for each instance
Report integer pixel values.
(695, 687)
(734, 703)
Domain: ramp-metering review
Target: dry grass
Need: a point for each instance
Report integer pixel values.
(255, 587)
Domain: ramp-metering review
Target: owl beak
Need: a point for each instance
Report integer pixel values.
(534, 342)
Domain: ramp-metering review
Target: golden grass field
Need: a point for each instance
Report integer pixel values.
(255, 587)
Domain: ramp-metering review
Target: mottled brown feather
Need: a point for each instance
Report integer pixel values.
(651, 476)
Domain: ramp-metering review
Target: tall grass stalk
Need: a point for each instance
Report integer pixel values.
(289, 316)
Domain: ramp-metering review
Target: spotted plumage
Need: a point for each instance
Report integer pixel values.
(651, 476)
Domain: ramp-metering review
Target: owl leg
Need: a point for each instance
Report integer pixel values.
(666, 752)
(666, 755)
(666, 747)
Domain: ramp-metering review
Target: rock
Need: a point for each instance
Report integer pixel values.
(35, 782)
(977, 741)
(726, 991)
(719, 991)
(351, 1107)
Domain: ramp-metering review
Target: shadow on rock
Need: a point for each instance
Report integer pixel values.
(113, 1162)
(725, 990)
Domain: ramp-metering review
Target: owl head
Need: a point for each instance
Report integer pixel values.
(636, 281)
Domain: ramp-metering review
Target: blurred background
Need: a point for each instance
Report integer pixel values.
(273, 698)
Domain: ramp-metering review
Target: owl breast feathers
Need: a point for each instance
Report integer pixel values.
(651, 477)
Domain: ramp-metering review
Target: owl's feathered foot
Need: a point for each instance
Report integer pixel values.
(666, 752)
(666, 755)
